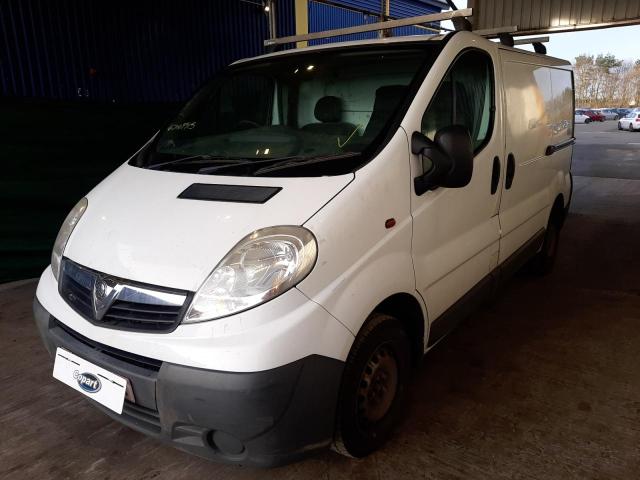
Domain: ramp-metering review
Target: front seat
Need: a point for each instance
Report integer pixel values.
(387, 100)
(328, 112)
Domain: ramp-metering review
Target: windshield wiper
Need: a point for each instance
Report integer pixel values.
(301, 161)
(207, 158)
(215, 168)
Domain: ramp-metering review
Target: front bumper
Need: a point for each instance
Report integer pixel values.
(264, 418)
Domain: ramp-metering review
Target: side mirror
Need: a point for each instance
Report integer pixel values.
(447, 161)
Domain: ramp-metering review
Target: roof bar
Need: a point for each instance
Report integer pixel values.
(403, 22)
(526, 41)
(537, 42)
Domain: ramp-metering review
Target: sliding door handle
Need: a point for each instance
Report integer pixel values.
(495, 175)
(511, 171)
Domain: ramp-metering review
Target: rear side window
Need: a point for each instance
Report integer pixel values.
(465, 97)
(561, 102)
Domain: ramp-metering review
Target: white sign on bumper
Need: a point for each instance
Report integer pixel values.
(93, 381)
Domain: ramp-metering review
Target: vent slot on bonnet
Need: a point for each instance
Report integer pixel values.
(229, 193)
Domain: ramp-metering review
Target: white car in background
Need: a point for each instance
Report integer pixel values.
(581, 118)
(609, 114)
(631, 122)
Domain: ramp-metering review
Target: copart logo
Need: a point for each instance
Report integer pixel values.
(87, 381)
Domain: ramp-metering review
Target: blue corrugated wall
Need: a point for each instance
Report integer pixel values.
(327, 17)
(416, 6)
(137, 51)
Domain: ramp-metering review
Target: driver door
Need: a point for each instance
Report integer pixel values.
(456, 231)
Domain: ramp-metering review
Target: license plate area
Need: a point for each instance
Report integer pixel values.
(91, 380)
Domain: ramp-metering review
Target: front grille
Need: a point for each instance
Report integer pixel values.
(134, 306)
(142, 316)
(76, 287)
(127, 357)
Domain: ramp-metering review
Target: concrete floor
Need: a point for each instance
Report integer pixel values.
(541, 384)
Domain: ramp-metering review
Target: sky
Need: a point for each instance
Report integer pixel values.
(620, 41)
(593, 42)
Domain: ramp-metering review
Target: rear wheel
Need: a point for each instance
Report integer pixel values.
(373, 387)
(545, 259)
(619, 126)
(631, 127)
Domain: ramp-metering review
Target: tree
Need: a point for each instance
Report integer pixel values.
(605, 80)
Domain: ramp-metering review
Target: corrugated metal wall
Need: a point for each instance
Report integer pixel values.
(327, 17)
(323, 16)
(535, 16)
(139, 51)
(399, 5)
(413, 8)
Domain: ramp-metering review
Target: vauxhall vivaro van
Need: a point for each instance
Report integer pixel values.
(257, 280)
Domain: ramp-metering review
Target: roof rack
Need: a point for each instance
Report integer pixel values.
(402, 22)
(458, 17)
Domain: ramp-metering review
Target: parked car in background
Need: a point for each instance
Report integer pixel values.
(589, 113)
(581, 117)
(631, 122)
(622, 112)
(593, 115)
(609, 113)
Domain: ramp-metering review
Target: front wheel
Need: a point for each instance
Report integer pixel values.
(631, 127)
(619, 126)
(373, 387)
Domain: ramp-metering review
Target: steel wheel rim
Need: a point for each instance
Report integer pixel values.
(378, 386)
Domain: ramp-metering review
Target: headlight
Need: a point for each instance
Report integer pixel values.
(262, 266)
(65, 232)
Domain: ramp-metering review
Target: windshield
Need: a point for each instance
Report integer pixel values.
(319, 113)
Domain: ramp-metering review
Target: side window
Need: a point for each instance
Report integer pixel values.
(465, 97)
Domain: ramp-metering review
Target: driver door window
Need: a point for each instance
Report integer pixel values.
(465, 97)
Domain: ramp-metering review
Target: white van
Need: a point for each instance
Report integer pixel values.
(256, 282)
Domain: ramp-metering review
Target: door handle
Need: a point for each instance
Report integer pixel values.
(511, 171)
(495, 175)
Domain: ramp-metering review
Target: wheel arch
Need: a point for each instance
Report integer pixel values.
(406, 308)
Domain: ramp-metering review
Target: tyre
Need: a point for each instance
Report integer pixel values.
(631, 127)
(588, 120)
(616, 117)
(619, 126)
(373, 387)
(542, 263)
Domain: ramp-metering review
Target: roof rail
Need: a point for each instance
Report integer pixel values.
(402, 22)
